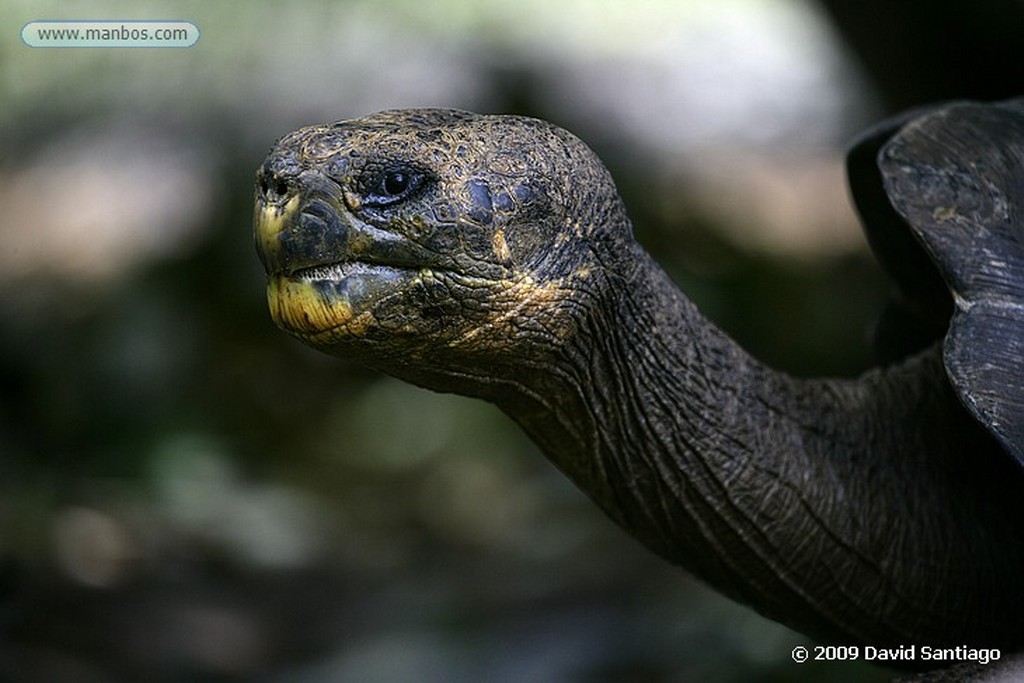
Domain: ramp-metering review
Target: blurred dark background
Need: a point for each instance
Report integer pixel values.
(186, 494)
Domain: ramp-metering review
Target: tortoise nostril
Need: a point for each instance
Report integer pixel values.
(272, 189)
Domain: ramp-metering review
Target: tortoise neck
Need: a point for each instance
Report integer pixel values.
(804, 499)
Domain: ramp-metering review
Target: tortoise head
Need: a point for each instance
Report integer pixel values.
(433, 237)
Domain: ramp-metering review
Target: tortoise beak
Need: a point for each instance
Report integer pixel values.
(299, 222)
(326, 270)
(269, 221)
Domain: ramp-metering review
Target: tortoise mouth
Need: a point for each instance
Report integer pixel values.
(342, 271)
(348, 287)
(324, 304)
(327, 270)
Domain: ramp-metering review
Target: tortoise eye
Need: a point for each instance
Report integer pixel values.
(393, 185)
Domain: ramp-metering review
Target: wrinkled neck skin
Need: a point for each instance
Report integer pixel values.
(864, 511)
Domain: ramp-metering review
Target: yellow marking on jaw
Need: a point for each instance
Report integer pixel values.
(300, 309)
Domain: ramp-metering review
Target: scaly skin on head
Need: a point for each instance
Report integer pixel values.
(491, 256)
